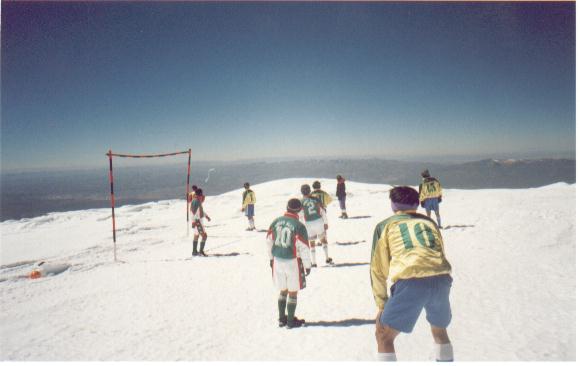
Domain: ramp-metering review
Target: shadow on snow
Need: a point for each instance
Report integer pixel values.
(458, 226)
(350, 242)
(349, 264)
(341, 323)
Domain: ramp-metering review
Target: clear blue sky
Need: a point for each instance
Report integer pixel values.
(242, 81)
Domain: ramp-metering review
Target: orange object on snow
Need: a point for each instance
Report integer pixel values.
(35, 274)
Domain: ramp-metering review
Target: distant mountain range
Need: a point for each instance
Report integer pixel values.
(33, 194)
(478, 174)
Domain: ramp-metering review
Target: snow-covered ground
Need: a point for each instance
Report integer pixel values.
(513, 296)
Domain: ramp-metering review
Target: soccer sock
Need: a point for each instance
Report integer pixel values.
(313, 254)
(444, 352)
(252, 224)
(438, 220)
(202, 245)
(282, 305)
(292, 303)
(325, 248)
(194, 245)
(386, 357)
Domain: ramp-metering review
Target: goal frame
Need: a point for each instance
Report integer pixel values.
(110, 154)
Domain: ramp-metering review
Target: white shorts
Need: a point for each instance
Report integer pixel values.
(286, 274)
(315, 229)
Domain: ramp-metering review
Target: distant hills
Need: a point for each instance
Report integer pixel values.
(33, 194)
(478, 174)
(510, 173)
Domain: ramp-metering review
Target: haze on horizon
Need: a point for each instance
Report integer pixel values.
(285, 80)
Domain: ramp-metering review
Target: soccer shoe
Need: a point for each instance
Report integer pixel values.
(249, 229)
(296, 323)
(194, 254)
(202, 253)
(329, 261)
(314, 265)
(283, 321)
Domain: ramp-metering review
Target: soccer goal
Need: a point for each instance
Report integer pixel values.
(110, 154)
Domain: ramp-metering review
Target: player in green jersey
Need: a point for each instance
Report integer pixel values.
(287, 242)
(197, 222)
(314, 217)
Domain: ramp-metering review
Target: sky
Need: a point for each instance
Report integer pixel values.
(277, 80)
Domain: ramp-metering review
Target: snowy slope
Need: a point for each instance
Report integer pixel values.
(513, 296)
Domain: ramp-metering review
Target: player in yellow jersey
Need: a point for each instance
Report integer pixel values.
(248, 201)
(322, 196)
(408, 250)
(430, 194)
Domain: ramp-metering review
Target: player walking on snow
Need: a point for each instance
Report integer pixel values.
(314, 217)
(248, 201)
(430, 194)
(197, 222)
(408, 249)
(287, 243)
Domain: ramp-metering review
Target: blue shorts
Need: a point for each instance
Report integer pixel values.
(432, 204)
(409, 297)
(250, 210)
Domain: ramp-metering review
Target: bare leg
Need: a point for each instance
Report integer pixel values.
(438, 218)
(440, 335)
(385, 336)
(443, 347)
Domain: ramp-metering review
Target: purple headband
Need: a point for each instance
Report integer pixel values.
(402, 206)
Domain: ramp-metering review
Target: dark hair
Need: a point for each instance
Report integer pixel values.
(316, 184)
(405, 195)
(194, 188)
(338, 177)
(246, 185)
(199, 192)
(305, 189)
(294, 205)
(425, 173)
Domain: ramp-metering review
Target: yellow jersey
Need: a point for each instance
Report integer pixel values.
(406, 245)
(322, 196)
(430, 188)
(248, 198)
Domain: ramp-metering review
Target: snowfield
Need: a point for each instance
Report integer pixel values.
(513, 296)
